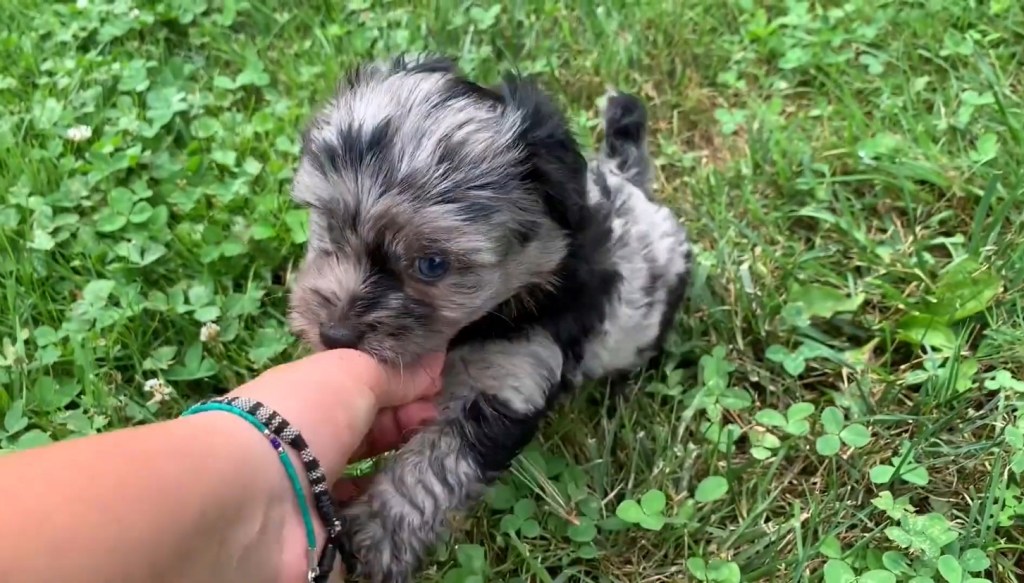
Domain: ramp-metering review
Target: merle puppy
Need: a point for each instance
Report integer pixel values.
(448, 214)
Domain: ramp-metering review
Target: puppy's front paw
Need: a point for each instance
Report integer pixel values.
(377, 536)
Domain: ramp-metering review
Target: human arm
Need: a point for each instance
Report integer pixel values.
(199, 498)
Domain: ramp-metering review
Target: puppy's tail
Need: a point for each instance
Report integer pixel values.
(625, 138)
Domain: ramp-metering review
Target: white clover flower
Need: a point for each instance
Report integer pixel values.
(82, 4)
(79, 133)
(133, 13)
(209, 332)
(160, 390)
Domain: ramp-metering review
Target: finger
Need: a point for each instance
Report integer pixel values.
(416, 381)
(394, 426)
(391, 429)
(413, 417)
(382, 435)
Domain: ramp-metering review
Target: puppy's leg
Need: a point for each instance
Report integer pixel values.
(625, 139)
(496, 394)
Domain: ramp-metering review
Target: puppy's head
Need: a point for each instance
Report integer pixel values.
(432, 201)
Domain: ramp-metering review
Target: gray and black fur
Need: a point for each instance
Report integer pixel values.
(556, 269)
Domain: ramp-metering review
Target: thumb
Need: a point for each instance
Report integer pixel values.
(417, 381)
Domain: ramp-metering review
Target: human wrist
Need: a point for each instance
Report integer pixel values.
(260, 507)
(283, 495)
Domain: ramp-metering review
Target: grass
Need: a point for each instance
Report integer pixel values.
(843, 397)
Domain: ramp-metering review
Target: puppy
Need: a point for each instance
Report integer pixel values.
(446, 214)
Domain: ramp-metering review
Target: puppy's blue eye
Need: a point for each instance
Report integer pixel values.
(431, 267)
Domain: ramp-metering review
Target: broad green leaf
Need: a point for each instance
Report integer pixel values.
(42, 241)
(1016, 463)
(530, 528)
(262, 230)
(711, 488)
(141, 212)
(630, 511)
(15, 420)
(501, 497)
(32, 438)
(44, 335)
(827, 445)
(823, 301)
(795, 314)
(884, 501)
(896, 562)
(799, 427)
(735, 399)
(917, 476)
(723, 571)
(919, 329)
(837, 571)
(830, 547)
(771, 418)
(974, 560)
(950, 569)
(206, 313)
(899, 536)
(205, 126)
(120, 200)
(298, 226)
(200, 295)
(76, 421)
(877, 576)
(855, 435)
(777, 353)
(458, 575)
(583, 532)
(794, 364)
(108, 221)
(510, 523)
(963, 290)
(937, 528)
(800, 411)
(266, 344)
(697, 567)
(881, 474)
(524, 508)
(894, 508)
(97, 291)
(765, 438)
(832, 420)
(472, 557)
(655, 522)
(653, 502)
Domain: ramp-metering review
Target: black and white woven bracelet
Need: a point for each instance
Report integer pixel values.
(291, 436)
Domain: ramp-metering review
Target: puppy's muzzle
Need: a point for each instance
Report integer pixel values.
(334, 336)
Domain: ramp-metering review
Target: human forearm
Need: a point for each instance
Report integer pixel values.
(203, 498)
(222, 512)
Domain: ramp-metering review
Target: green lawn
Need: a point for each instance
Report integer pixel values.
(843, 397)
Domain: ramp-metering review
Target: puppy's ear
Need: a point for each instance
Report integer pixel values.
(425, 62)
(554, 163)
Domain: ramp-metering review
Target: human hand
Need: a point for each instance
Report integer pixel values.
(347, 405)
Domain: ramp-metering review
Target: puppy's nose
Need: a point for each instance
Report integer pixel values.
(334, 336)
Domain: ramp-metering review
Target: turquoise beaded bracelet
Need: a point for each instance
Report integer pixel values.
(289, 468)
